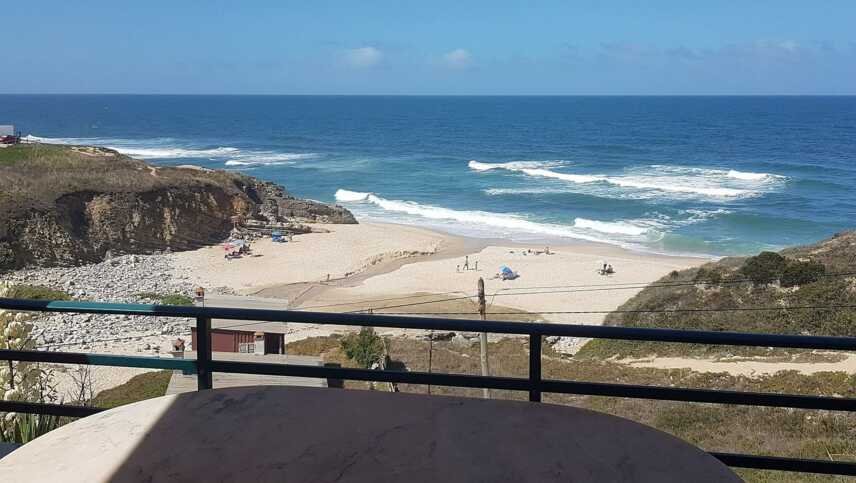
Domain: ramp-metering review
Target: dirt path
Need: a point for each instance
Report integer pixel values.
(753, 367)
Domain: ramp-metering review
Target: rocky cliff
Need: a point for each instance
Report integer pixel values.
(64, 205)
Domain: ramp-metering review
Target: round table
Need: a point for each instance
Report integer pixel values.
(275, 433)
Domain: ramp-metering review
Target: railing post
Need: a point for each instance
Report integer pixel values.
(203, 353)
(535, 367)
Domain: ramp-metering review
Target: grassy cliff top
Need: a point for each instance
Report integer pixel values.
(800, 276)
(35, 175)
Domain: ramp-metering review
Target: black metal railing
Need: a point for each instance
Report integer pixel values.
(204, 366)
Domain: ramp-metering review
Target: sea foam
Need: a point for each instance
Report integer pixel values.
(582, 228)
(711, 183)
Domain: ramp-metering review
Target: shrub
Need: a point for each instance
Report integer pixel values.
(709, 276)
(36, 292)
(138, 388)
(766, 267)
(166, 299)
(364, 348)
(176, 299)
(801, 273)
(27, 427)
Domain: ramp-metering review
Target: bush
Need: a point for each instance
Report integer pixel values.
(176, 299)
(766, 267)
(364, 348)
(801, 273)
(166, 299)
(710, 277)
(36, 292)
(139, 388)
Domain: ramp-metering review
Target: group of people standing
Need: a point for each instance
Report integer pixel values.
(467, 265)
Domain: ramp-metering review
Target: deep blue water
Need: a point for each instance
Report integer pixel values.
(711, 175)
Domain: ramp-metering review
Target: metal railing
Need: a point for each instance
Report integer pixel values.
(535, 384)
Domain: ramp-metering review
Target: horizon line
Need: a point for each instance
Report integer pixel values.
(413, 95)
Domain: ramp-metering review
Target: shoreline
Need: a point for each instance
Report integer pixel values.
(419, 267)
(407, 245)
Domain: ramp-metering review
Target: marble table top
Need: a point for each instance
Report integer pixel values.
(276, 433)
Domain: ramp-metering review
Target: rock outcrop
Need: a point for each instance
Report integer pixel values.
(60, 206)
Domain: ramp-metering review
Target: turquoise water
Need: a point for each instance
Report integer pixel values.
(705, 175)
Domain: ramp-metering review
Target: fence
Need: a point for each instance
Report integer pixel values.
(535, 385)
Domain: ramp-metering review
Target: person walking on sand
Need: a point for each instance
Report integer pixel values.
(466, 262)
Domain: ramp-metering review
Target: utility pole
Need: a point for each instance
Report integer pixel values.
(430, 355)
(483, 338)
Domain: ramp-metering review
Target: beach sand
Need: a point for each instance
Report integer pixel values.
(372, 261)
(347, 250)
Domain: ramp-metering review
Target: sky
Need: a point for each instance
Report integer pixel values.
(430, 47)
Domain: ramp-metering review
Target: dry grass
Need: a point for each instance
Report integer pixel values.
(34, 176)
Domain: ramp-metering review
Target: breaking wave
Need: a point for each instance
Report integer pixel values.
(582, 228)
(514, 165)
(711, 183)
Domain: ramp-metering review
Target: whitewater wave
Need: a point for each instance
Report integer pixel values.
(514, 165)
(522, 191)
(585, 229)
(169, 148)
(749, 176)
(610, 227)
(267, 158)
(711, 183)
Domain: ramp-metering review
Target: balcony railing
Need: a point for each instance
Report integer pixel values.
(535, 384)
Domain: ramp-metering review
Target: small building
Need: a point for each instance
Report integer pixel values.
(8, 135)
(245, 336)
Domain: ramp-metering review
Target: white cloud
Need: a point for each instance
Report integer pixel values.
(363, 57)
(457, 58)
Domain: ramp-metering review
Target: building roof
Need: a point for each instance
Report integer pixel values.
(241, 302)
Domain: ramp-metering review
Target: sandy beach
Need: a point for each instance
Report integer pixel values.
(374, 261)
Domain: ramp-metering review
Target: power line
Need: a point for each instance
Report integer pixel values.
(376, 300)
(641, 311)
(631, 285)
(411, 304)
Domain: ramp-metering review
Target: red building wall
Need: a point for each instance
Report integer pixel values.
(229, 340)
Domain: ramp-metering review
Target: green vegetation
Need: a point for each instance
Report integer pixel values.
(365, 348)
(166, 299)
(37, 175)
(804, 281)
(27, 427)
(138, 388)
(36, 292)
(769, 267)
(801, 273)
(764, 268)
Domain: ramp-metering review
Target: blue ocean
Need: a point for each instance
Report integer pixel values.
(684, 175)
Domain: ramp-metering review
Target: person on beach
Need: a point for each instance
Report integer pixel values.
(467, 262)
